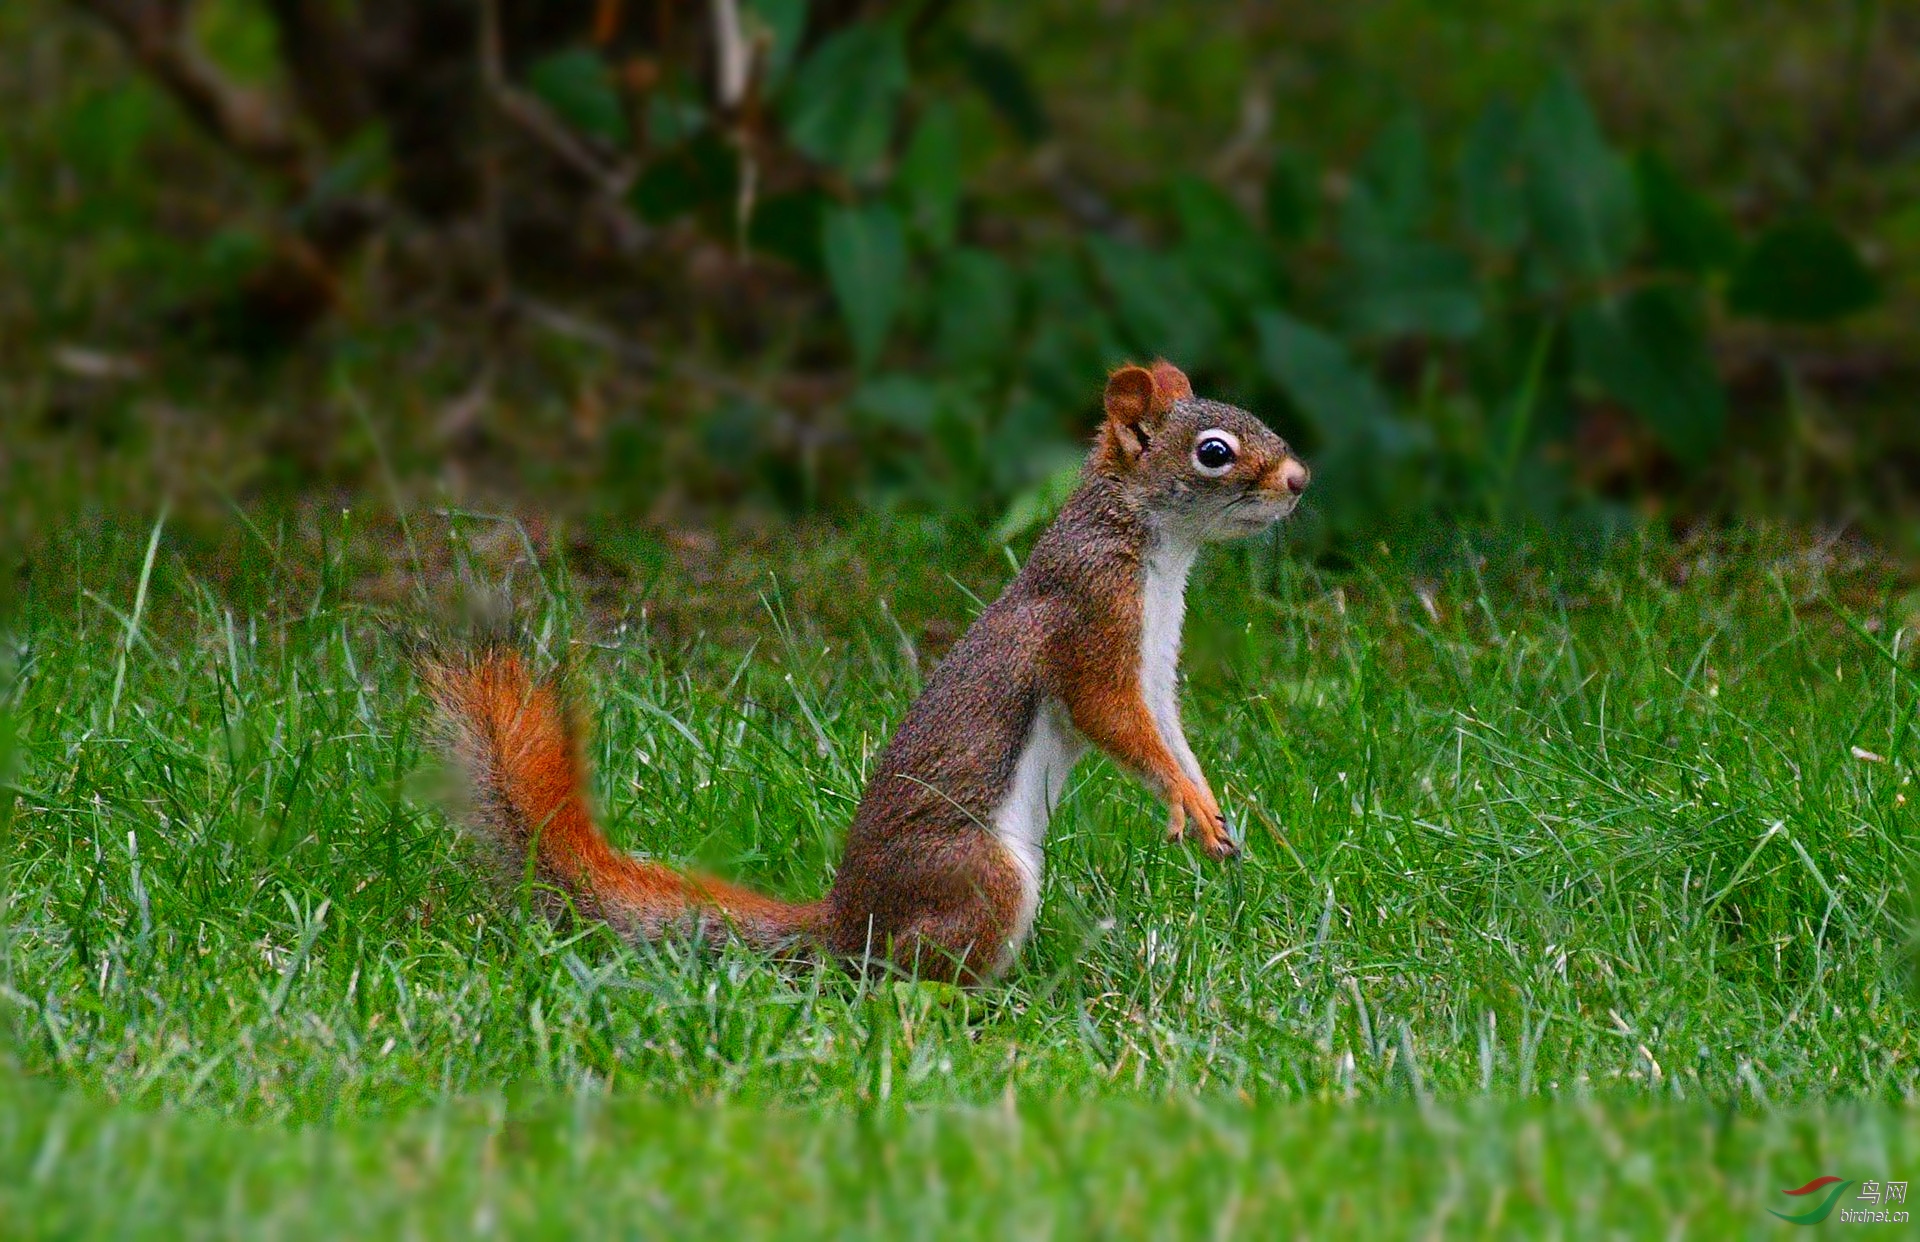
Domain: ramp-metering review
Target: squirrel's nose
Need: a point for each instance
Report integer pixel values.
(1294, 475)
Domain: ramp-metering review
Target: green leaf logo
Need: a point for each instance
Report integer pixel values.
(1813, 1216)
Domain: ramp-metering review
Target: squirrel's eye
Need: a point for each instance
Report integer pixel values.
(1214, 453)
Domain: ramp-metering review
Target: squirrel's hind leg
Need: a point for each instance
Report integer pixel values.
(968, 935)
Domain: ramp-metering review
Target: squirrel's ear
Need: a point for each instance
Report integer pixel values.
(1129, 398)
(1137, 400)
(1130, 406)
(1170, 384)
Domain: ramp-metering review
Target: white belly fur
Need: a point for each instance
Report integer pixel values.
(1053, 746)
(1039, 778)
(1164, 607)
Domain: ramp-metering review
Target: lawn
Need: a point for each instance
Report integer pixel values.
(1572, 744)
(1577, 901)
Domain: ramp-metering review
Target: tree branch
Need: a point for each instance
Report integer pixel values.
(732, 55)
(246, 121)
(534, 119)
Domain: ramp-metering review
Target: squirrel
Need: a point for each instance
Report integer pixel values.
(942, 866)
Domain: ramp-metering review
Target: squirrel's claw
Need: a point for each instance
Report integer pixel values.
(1224, 842)
(1216, 837)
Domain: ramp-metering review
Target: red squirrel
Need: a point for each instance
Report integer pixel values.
(941, 875)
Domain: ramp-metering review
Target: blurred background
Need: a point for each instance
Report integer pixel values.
(694, 289)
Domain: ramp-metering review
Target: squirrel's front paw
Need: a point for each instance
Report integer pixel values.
(1217, 839)
(1209, 825)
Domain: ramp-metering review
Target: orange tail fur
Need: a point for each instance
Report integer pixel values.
(512, 737)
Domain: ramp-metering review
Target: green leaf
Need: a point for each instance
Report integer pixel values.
(840, 106)
(928, 178)
(1003, 80)
(1028, 443)
(1580, 192)
(866, 258)
(233, 254)
(1074, 339)
(577, 85)
(1367, 459)
(1493, 203)
(1293, 196)
(1801, 271)
(1391, 196)
(1220, 246)
(700, 175)
(1163, 311)
(1688, 232)
(976, 305)
(102, 134)
(899, 402)
(1037, 505)
(1414, 288)
(1344, 403)
(783, 22)
(675, 115)
(1650, 350)
(790, 225)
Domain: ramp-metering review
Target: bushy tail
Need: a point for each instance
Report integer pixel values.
(515, 742)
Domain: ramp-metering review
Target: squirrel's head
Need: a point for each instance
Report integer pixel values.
(1208, 469)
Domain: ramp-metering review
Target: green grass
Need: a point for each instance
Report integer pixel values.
(591, 1165)
(1571, 905)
